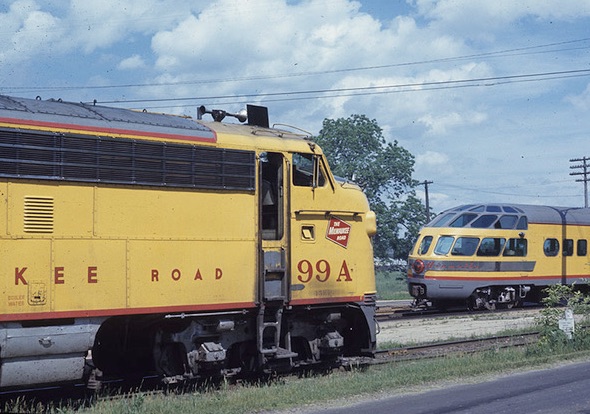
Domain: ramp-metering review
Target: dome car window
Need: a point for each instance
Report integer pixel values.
(441, 221)
(523, 223)
(506, 222)
(484, 221)
(463, 220)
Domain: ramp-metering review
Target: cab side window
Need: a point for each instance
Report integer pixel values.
(307, 171)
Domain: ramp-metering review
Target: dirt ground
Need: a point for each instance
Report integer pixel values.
(415, 330)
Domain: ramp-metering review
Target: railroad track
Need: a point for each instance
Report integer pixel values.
(392, 309)
(441, 349)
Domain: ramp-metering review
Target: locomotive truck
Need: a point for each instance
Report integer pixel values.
(136, 243)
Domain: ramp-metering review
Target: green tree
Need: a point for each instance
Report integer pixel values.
(357, 150)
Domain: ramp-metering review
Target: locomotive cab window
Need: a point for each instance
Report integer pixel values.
(307, 171)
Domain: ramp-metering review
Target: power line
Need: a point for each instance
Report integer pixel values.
(372, 90)
(501, 53)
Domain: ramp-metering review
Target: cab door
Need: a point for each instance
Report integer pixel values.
(274, 228)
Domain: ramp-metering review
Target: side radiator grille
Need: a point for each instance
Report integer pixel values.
(38, 214)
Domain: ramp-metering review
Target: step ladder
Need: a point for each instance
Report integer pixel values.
(269, 334)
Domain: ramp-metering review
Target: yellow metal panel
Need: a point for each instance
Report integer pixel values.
(72, 208)
(88, 275)
(3, 209)
(321, 268)
(174, 214)
(25, 277)
(191, 274)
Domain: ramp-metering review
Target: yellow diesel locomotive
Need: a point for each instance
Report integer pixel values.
(498, 255)
(137, 243)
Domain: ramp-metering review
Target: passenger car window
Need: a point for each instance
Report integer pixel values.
(465, 246)
(491, 246)
(551, 247)
(425, 245)
(582, 247)
(516, 247)
(443, 245)
(568, 247)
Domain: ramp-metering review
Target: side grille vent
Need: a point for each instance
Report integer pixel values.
(67, 157)
(38, 214)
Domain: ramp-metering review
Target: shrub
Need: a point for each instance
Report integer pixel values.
(551, 338)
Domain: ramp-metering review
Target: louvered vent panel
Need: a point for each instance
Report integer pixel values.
(65, 157)
(38, 217)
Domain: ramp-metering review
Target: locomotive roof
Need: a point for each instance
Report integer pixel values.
(97, 119)
(534, 213)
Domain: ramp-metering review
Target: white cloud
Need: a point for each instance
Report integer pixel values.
(27, 31)
(432, 159)
(132, 62)
(439, 125)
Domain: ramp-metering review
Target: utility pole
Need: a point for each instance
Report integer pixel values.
(425, 184)
(584, 166)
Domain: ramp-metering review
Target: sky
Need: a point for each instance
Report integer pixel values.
(492, 98)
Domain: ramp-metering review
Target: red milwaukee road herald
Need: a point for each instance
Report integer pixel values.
(338, 231)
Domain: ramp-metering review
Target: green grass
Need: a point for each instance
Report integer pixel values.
(343, 386)
(391, 285)
(338, 387)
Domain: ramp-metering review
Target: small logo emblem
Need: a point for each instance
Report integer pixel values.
(338, 232)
